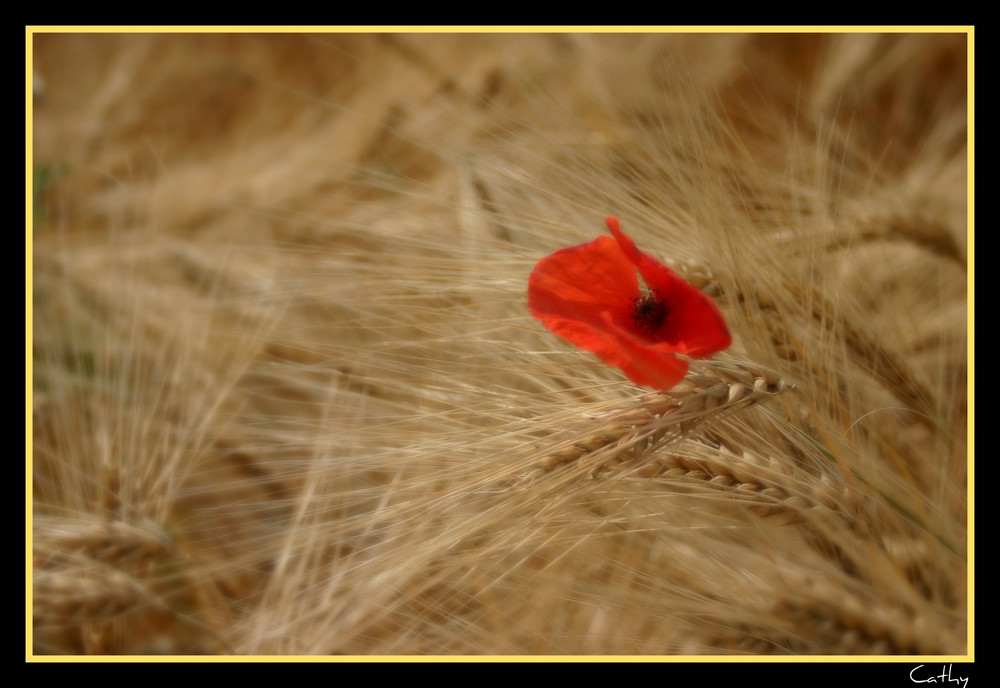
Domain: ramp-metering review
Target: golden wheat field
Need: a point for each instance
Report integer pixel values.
(287, 397)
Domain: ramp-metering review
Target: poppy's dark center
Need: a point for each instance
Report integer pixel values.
(649, 312)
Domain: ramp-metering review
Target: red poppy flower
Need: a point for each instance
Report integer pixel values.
(628, 308)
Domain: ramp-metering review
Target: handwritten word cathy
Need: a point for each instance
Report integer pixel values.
(944, 677)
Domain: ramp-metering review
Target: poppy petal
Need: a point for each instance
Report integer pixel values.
(580, 282)
(646, 365)
(695, 327)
